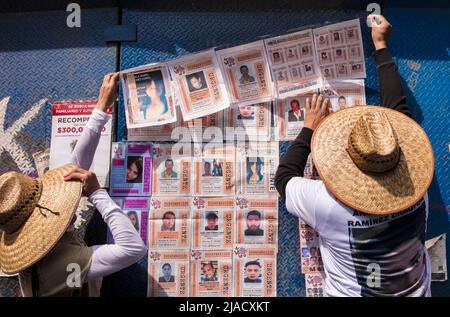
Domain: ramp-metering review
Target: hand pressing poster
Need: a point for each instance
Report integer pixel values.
(339, 50)
(200, 85)
(293, 63)
(246, 72)
(147, 96)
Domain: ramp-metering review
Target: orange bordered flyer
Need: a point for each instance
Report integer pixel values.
(168, 273)
(256, 220)
(215, 169)
(246, 73)
(255, 270)
(200, 84)
(172, 168)
(213, 222)
(211, 273)
(170, 223)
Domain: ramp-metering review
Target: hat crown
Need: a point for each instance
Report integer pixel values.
(372, 144)
(19, 195)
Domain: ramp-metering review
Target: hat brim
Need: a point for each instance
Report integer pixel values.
(45, 226)
(386, 193)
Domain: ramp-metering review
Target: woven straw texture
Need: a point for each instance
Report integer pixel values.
(386, 193)
(43, 228)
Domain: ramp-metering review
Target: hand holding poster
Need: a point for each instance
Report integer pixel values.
(68, 122)
(256, 167)
(212, 273)
(257, 220)
(246, 72)
(200, 84)
(146, 92)
(255, 270)
(168, 273)
(293, 63)
(170, 223)
(131, 169)
(214, 222)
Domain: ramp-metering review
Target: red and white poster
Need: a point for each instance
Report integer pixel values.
(69, 119)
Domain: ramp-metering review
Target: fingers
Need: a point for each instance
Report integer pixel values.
(313, 102)
(76, 176)
(75, 171)
(308, 104)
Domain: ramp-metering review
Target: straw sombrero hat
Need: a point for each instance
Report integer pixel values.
(373, 159)
(34, 214)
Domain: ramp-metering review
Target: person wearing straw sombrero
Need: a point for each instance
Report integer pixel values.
(37, 237)
(370, 205)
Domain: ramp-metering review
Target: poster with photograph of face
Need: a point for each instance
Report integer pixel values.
(250, 122)
(207, 129)
(131, 165)
(256, 167)
(147, 95)
(200, 84)
(172, 168)
(290, 115)
(137, 210)
(215, 169)
(255, 270)
(168, 273)
(213, 222)
(246, 72)
(339, 46)
(345, 93)
(288, 72)
(212, 273)
(170, 223)
(257, 220)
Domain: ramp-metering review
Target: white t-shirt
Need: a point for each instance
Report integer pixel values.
(364, 255)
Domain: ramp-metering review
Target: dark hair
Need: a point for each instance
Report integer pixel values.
(168, 213)
(259, 165)
(255, 262)
(254, 213)
(295, 100)
(341, 97)
(136, 160)
(168, 160)
(211, 215)
(243, 66)
(134, 213)
(167, 264)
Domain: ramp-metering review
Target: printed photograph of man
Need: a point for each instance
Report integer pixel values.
(168, 221)
(291, 54)
(305, 50)
(169, 171)
(308, 69)
(196, 81)
(246, 78)
(253, 222)
(166, 276)
(336, 37)
(252, 272)
(133, 216)
(207, 169)
(211, 220)
(296, 113)
(276, 57)
(209, 272)
(134, 169)
(342, 102)
(246, 113)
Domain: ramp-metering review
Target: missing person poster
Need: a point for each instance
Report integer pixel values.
(250, 122)
(293, 63)
(131, 169)
(69, 119)
(290, 115)
(213, 222)
(257, 163)
(215, 169)
(172, 168)
(246, 73)
(168, 273)
(345, 93)
(200, 85)
(137, 210)
(339, 50)
(211, 273)
(255, 270)
(208, 128)
(170, 223)
(256, 220)
(147, 96)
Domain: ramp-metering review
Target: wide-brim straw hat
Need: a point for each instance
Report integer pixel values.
(34, 214)
(373, 159)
